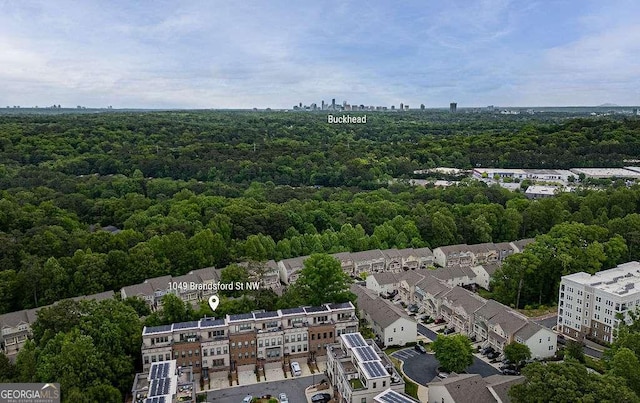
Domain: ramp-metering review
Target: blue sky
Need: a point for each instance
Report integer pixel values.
(222, 54)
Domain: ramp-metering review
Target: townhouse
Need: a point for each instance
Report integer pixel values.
(290, 269)
(458, 306)
(382, 283)
(479, 254)
(360, 372)
(392, 326)
(592, 305)
(196, 285)
(15, 327)
(250, 338)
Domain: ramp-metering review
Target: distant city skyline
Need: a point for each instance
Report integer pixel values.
(254, 54)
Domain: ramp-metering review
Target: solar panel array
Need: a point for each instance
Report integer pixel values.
(156, 399)
(391, 396)
(354, 340)
(374, 369)
(211, 322)
(366, 353)
(312, 309)
(264, 315)
(159, 387)
(185, 325)
(157, 329)
(159, 370)
(341, 305)
(292, 311)
(241, 316)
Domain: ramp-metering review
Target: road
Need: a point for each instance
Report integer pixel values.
(422, 368)
(294, 388)
(423, 330)
(553, 320)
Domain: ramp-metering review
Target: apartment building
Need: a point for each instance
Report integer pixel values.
(15, 327)
(244, 339)
(588, 305)
(359, 371)
(164, 383)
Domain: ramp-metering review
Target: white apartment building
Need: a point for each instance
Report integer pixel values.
(359, 371)
(588, 304)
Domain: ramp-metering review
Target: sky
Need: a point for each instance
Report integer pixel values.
(245, 54)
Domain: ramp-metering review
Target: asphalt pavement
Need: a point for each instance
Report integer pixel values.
(423, 330)
(293, 387)
(422, 368)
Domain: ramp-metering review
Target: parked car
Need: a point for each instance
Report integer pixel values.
(320, 398)
(473, 338)
(493, 355)
(443, 375)
(420, 349)
(247, 399)
(283, 398)
(507, 366)
(439, 321)
(295, 369)
(487, 350)
(449, 330)
(510, 372)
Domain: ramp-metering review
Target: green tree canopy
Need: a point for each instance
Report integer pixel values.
(455, 353)
(322, 281)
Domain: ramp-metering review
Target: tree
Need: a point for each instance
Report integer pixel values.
(569, 382)
(516, 352)
(232, 274)
(322, 280)
(625, 365)
(455, 353)
(6, 369)
(174, 310)
(573, 349)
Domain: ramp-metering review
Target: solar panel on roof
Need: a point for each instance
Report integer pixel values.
(185, 325)
(263, 315)
(355, 340)
(291, 311)
(374, 369)
(366, 353)
(157, 329)
(311, 309)
(394, 397)
(211, 322)
(342, 305)
(241, 316)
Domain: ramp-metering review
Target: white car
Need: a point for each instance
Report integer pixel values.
(295, 368)
(283, 398)
(247, 399)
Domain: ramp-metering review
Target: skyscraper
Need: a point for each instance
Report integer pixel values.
(333, 104)
(453, 107)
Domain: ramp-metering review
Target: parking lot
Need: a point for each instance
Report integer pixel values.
(422, 368)
(293, 387)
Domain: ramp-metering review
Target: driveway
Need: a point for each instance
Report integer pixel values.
(422, 368)
(294, 388)
(428, 333)
(548, 322)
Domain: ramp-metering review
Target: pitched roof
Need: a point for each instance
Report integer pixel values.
(530, 329)
(413, 277)
(449, 249)
(432, 285)
(392, 253)
(504, 246)
(499, 385)
(294, 263)
(206, 274)
(521, 243)
(137, 290)
(343, 256)
(423, 252)
(381, 311)
(373, 254)
(482, 247)
(452, 272)
(95, 297)
(465, 388)
(13, 319)
(385, 278)
(461, 297)
(491, 268)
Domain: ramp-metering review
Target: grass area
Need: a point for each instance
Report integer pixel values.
(540, 311)
(391, 350)
(356, 383)
(410, 387)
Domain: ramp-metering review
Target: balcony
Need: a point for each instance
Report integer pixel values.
(356, 384)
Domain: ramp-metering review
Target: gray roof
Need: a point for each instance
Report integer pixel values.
(381, 311)
(491, 268)
(504, 246)
(186, 278)
(343, 256)
(13, 319)
(452, 272)
(137, 290)
(95, 297)
(392, 253)
(529, 330)
(491, 309)
(482, 247)
(510, 321)
(433, 286)
(423, 252)
(159, 283)
(521, 243)
(385, 278)
(461, 297)
(206, 274)
(294, 263)
(449, 249)
(374, 254)
(500, 384)
(465, 388)
(413, 277)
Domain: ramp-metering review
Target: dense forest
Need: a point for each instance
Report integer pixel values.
(178, 191)
(190, 190)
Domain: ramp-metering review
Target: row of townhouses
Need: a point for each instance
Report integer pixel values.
(15, 327)
(592, 305)
(248, 339)
(444, 297)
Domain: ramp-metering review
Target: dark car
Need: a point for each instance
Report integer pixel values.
(508, 371)
(493, 355)
(321, 398)
(486, 350)
(448, 330)
(507, 366)
(420, 349)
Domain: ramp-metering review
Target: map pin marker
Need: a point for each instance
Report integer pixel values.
(214, 301)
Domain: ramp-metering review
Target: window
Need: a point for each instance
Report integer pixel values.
(550, 348)
(205, 353)
(313, 336)
(146, 359)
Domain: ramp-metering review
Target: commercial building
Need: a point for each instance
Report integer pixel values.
(248, 339)
(588, 304)
(359, 371)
